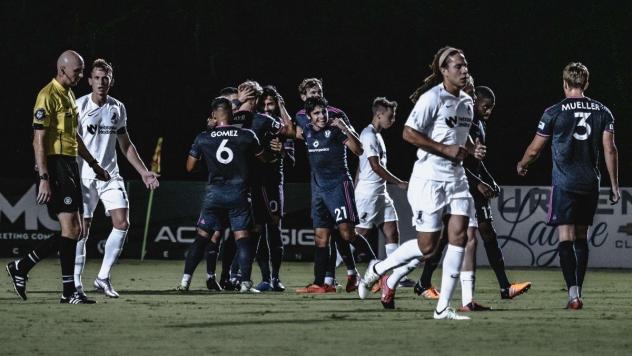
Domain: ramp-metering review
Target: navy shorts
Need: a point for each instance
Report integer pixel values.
(334, 206)
(571, 208)
(482, 205)
(267, 201)
(225, 207)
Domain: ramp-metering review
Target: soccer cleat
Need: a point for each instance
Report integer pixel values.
(76, 298)
(277, 286)
(312, 289)
(377, 287)
(515, 290)
(18, 279)
(388, 294)
(472, 307)
(449, 314)
(105, 286)
(226, 285)
(575, 304)
(406, 283)
(247, 287)
(183, 287)
(330, 288)
(352, 283)
(369, 279)
(212, 285)
(427, 293)
(264, 286)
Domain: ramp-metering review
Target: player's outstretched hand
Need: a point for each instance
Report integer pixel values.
(486, 190)
(522, 170)
(151, 180)
(480, 150)
(43, 193)
(101, 173)
(275, 145)
(615, 195)
(455, 152)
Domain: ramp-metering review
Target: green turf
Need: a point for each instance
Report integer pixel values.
(151, 318)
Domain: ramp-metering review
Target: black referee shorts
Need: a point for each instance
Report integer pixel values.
(65, 185)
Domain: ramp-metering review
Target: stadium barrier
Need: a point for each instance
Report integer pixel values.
(519, 217)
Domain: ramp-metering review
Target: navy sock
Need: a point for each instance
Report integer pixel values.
(43, 250)
(344, 248)
(276, 248)
(195, 254)
(211, 258)
(67, 251)
(581, 253)
(568, 262)
(331, 261)
(363, 247)
(263, 255)
(321, 259)
(244, 256)
(228, 254)
(496, 262)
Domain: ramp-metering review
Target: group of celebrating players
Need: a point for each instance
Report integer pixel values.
(248, 142)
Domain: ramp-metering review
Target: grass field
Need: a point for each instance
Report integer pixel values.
(151, 318)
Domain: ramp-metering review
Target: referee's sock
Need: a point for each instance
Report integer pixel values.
(67, 251)
(43, 250)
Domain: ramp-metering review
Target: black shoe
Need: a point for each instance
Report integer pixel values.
(18, 279)
(277, 286)
(76, 298)
(418, 289)
(212, 285)
(406, 283)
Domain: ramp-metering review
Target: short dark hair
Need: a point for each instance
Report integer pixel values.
(382, 102)
(576, 75)
(313, 102)
(309, 83)
(268, 91)
(103, 65)
(221, 102)
(228, 91)
(485, 92)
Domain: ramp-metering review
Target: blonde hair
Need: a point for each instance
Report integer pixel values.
(576, 75)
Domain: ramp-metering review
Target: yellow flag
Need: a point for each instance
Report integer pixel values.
(155, 162)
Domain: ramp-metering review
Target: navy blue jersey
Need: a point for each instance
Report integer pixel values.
(227, 151)
(302, 120)
(327, 156)
(576, 126)
(472, 165)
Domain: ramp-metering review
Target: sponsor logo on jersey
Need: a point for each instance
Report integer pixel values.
(454, 121)
(315, 144)
(101, 130)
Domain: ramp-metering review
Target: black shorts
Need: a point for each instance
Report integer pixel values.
(483, 207)
(267, 201)
(571, 208)
(65, 185)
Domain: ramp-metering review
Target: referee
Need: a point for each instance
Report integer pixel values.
(56, 146)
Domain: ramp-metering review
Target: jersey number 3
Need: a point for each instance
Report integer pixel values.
(582, 130)
(224, 154)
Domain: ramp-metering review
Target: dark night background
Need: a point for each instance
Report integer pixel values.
(172, 57)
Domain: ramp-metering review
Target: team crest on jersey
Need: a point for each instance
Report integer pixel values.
(315, 144)
(40, 114)
(113, 119)
(327, 133)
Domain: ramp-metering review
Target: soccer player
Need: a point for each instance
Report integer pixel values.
(577, 127)
(308, 88)
(227, 151)
(333, 200)
(375, 207)
(438, 125)
(103, 123)
(56, 146)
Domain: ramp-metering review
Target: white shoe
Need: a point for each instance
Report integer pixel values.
(449, 314)
(369, 279)
(105, 286)
(247, 287)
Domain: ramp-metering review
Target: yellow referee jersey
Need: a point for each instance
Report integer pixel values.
(56, 112)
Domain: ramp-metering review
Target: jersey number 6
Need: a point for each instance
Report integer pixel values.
(222, 151)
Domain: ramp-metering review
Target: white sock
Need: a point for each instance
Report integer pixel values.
(390, 248)
(352, 272)
(80, 263)
(451, 267)
(400, 272)
(404, 253)
(329, 281)
(186, 280)
(113, 248)
(209, 276)
(467, 287)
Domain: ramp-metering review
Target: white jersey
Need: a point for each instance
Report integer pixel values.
(446, 119)
(98, 128)
(373, 146)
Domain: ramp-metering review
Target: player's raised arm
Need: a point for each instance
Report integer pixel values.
(353, 141)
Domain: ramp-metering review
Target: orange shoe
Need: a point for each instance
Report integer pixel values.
(330, 288)
(515, 290)
(473, 306)
(352, 283)
(427, 293)
(312, 289)
(377, 286)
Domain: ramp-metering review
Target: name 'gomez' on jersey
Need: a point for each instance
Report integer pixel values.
(446, 119)
(327, 155)
(575, 126)
(227, 151)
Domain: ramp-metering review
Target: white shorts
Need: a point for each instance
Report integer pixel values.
(112, 193)
(430, 200)
(375, 207)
